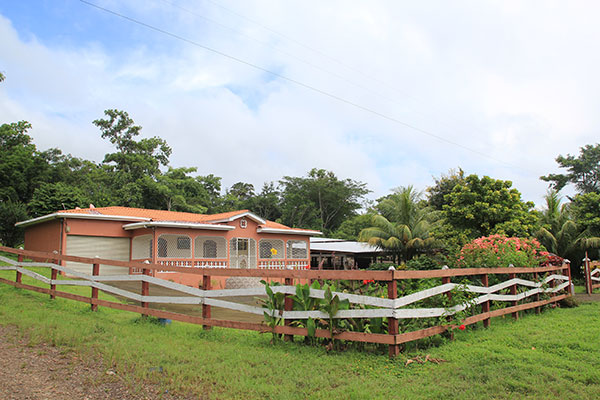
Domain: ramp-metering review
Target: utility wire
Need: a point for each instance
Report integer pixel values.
(296, 82)
(311, 64)
(329, 57)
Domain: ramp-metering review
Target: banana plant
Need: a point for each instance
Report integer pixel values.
(274, 303)
(303, 302)
(330, 305)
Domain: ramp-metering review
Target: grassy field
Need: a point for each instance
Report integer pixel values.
(548, 356)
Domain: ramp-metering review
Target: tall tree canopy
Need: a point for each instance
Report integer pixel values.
(583, 171)
(137, 158)
(483, 206)
(320, 200)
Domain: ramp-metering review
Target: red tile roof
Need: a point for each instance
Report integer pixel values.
(155, 215)
(173, 216)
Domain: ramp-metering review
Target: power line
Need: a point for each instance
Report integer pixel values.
(322, 53)
(296, 82)
(311, 64)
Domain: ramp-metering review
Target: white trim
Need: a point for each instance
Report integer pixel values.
(248, 214)
(262, 229)
(168, 224)
(80, 216)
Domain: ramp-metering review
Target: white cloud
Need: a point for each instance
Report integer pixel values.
(516, 82)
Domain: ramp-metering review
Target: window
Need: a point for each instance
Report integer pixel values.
(162, 247)
(210, 249)
(271, 248)
(174, 246)
(297, 249)
(183, 243)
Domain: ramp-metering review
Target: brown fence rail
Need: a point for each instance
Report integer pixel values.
(514, 290)
(592, 275)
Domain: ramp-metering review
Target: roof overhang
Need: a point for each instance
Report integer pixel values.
(103, 217)
(174, 224)
(247, 214)
(261, 229)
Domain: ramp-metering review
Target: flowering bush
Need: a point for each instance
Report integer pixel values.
(501, 251)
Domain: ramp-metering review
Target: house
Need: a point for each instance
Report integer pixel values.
(328, 253)
(237, 239)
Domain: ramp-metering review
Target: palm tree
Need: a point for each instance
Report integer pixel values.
(559, 233)
(403, 225)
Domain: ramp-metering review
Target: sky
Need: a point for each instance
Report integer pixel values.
(390, 93)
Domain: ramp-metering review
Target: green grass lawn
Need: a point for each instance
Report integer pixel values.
(542, 357)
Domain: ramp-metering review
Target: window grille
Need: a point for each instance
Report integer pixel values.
(183, 243)
(174, 246)
(297, 249)
(210, 247)
(265, 246)
(141, 247)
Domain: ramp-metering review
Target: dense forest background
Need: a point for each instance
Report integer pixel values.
(454, 210)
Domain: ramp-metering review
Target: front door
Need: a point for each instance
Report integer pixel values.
(242, 253)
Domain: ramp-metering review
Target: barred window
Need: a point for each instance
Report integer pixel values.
(174, 246)
(271, 248)
(210, 247)
(297, 249)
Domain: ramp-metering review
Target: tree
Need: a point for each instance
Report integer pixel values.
(267, 203)
(583, 171)
(403, 225)
(51, 197)
(559, 233)
(350, 229)
(238, 196)
(135, 158)
(22, 168)
(320, 200)
(399, 239)
(11, 212)
(443, 186)
(483, 206)
(586, 210)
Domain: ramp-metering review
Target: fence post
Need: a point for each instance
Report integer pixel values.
(18, 279)
(513, 291)
(53, 276)
(206, 285)
(571, 289)
(145, 289)
(485, 306)
(588, 275)
(449, 295)
(538, 310)
(288, 305)
(394, 349)
(95, 272)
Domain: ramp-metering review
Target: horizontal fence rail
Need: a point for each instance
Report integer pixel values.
(553, 282)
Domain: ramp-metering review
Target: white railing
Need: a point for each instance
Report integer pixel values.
(281, 264)
(210, 264)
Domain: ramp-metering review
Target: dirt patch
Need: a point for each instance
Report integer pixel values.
(46, 372)
(586, 298)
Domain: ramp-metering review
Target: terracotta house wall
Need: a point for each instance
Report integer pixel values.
(44, 236)
(87, 227)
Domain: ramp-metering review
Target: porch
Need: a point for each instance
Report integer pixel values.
(202, 251)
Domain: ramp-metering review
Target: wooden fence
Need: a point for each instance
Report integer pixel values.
(592, 275)
(506, 297)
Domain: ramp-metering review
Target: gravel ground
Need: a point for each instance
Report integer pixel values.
(45, 372)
